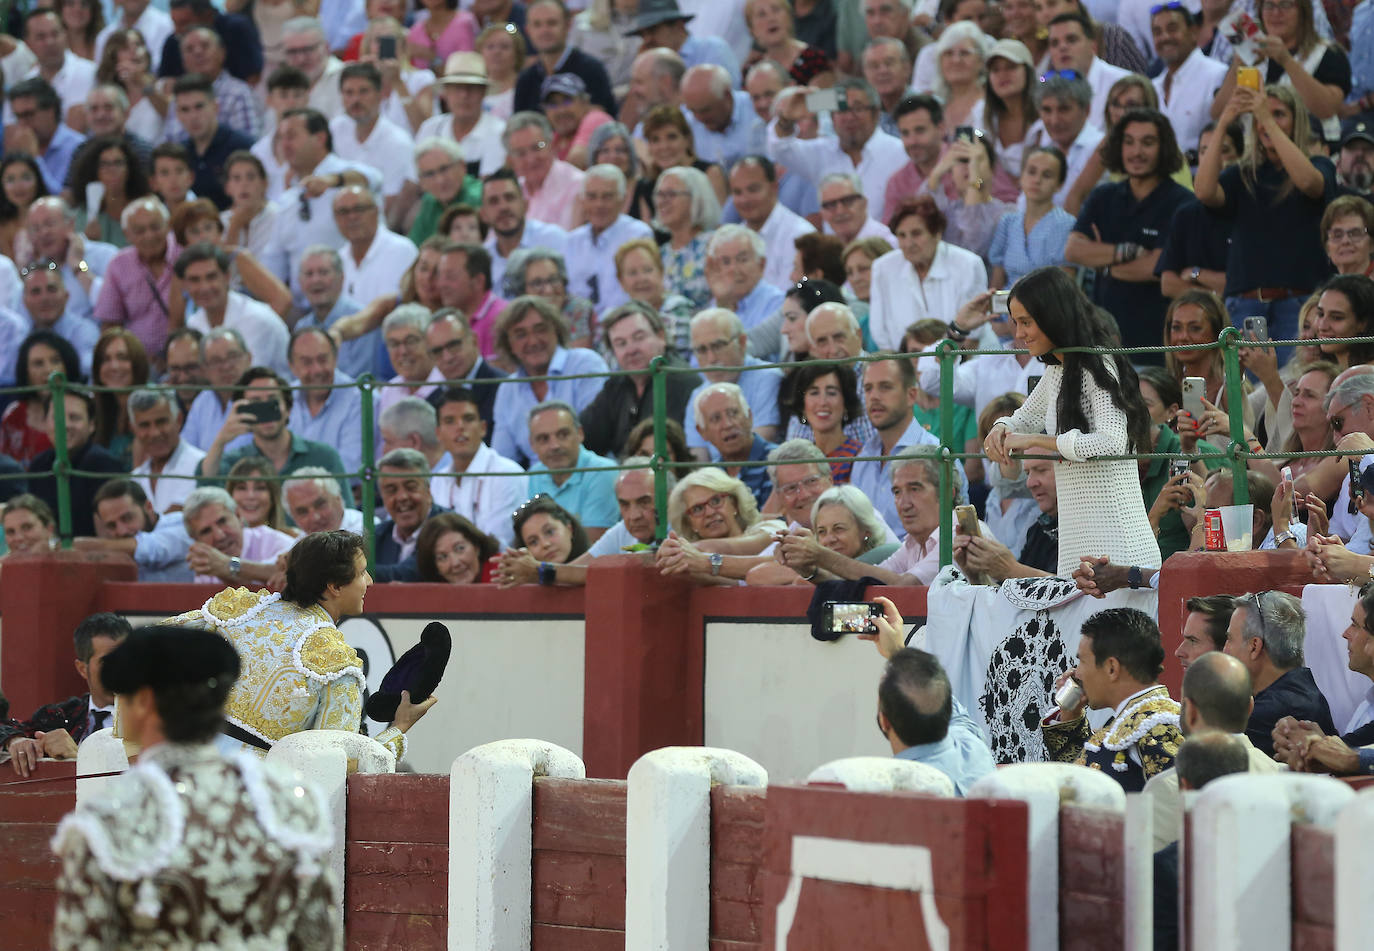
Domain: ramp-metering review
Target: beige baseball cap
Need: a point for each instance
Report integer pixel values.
(1009, 49)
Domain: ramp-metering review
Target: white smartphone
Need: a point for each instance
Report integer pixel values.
(95, 196)
(1193, 389)
(823, 100)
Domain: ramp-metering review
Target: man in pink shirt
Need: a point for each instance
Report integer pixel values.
(223, 549)
(572, 115)
(918, 121)
(552, 186)
(464, 281)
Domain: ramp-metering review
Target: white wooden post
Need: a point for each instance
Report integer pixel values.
(1241, 857)
(668, 843)
(883, 774)
(1042, 786)
(491, 833)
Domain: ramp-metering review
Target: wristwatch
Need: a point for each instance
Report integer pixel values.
(1195, 275)
(547, 573)
(1135, 578)
(715, 558)
(235, 566)
(1282, 537)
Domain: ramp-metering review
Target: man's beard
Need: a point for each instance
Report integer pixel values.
(1360, 178)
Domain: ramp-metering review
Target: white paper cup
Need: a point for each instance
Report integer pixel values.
(1237, 524)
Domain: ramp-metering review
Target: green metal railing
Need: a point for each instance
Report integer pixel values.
(947, 353)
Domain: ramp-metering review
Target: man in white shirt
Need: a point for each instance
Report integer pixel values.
(754, 188)
(204, 271)
(1073, 46)
(374, 258)
(306, 48)
(1064, 123)
(364, 135)
(153, 25)
(478, 133)
(486, 502)
(857, 146)
(70, 76)
(503, 211)
(156, 417)
(287, 89)
(845, 209)
(315, 174)
(311, 497)
(1136, 18)
(590, 251)
(1190, 79)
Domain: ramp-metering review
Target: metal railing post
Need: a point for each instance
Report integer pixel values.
(61, 463)
(369, 471)
(660, 394)
(947, 353)
(1235, 411)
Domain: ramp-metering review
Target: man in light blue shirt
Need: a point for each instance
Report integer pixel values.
(724, 125)
(322, 280)
(718, 339)
(46, 304)
(226, 359)
(556, 436)
(333, 417)
(590, 254)
(503, 212)
(889, 397)
(924, 723)
(735, 260)
(535, 338)
(660, 23)
(128, 524)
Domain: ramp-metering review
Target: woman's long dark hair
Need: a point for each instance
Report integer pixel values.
(1066, 316)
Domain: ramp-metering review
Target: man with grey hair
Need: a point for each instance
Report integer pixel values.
(858, 145)
(442, 171)
(155, 419)
(138, 280)
(306, 48)
(411, 423)
(590, 250)
(719, 340)
(226, 359)
(374, 256)
(403, 331)
(552, 187)
(322, 283)
(1266, 634)
(107, 114)
(726, 424)
(312, 499)
(225, 550)
(1064, 108)
(655, 76)
(914, 488)
(799, 473)
(51, 229)
(724, 126)
(1349, 407)
(403, 485)
(556, 437)
(736, 258)
(845, 210)
(887, 68)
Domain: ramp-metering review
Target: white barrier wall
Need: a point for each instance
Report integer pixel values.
(788, 701)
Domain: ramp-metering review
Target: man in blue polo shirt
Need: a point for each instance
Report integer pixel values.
(723, 419)
(889, 398)
(1122, 226)
(556, 437)
(719, 339)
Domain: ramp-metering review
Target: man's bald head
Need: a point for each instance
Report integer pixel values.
(1218, 687)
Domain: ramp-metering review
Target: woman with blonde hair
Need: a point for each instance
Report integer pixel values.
(844, 521)
(503, 50)
(959, 78)
(712, 514)
(689, 211)
(639, 268)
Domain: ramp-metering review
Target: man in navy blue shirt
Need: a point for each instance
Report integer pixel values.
(209, 142)
(1121, 228)
(547, 22)
(242, 46)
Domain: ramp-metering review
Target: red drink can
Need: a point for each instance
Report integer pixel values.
(1213, 537)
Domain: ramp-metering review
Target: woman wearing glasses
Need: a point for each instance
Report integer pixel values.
(713, 515)
(542, 273)
(1317, 72)
(1091, 405)
(1348, 229)
(688, 209)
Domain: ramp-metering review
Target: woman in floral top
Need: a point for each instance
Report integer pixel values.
(688, 212)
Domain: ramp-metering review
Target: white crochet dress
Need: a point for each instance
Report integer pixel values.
(1101, 510)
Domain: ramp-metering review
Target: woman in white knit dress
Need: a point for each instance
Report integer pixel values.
(1090, 405)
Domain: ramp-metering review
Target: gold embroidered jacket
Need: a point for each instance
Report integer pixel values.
(1149, 725)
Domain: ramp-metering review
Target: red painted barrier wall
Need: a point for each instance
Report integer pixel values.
(1092, 882)
(1314, 889)
(29, 813)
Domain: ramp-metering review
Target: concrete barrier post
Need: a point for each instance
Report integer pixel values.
(1042, 786)
(1241, 856)
(668, 843)
(1354, 872)
(883, 774)
(491, 831)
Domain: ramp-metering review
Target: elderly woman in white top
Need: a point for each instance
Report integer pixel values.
(925, 277)
(959, 79)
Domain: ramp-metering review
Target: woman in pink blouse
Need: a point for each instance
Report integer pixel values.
(446, 30)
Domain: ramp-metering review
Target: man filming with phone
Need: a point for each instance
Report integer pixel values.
(261, 406)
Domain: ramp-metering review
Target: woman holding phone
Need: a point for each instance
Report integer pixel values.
(1090, 405)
